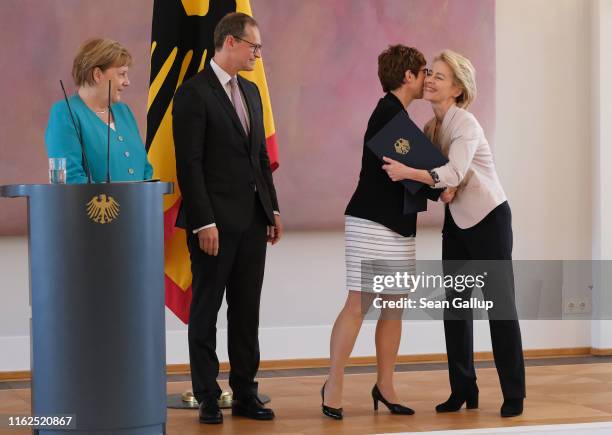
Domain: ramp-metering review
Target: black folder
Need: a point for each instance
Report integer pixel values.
(403, 141)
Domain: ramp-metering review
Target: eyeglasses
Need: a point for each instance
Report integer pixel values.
(255, 47)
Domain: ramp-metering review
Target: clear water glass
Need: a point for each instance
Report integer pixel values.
(57, 170)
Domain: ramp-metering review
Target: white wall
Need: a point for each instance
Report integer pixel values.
(601, 108)
(543, 152)
(14, 304)
(542, 143)
(303, 292)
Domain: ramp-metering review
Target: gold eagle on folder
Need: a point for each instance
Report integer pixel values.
(402, 146)
(102, 209)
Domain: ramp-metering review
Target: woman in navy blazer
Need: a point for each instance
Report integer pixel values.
(378, 228)
(97, 62)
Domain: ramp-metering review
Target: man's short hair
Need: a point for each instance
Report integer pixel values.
(394, 62)
(233, 24)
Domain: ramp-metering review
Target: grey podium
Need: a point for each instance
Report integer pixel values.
(97, 330)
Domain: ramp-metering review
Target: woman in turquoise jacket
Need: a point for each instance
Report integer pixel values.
(97, 62)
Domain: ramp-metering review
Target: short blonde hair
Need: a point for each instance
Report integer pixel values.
(464, 75)
(98, 53)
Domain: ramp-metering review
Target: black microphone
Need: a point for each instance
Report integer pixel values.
(108, 177)
(83, 154)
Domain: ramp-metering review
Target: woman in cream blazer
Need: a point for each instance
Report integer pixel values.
(477, 226)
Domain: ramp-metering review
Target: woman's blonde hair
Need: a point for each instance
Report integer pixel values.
(465, 75)
(101, 53)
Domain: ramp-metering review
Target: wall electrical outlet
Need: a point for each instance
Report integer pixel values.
(577, 306)
(584, 306)
(570, 306)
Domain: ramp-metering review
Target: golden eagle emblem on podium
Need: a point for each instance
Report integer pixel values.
(402, 146)
(102, 209)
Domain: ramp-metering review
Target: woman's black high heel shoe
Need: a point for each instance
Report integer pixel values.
(395, 408)
(335, 413)
(512, 407)
(456, 401)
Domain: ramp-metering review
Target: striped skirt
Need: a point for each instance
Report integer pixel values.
(373, 249)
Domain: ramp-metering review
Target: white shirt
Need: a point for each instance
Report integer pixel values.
(224, 79)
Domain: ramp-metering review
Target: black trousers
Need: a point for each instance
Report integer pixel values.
(490, 239)
(237, 271)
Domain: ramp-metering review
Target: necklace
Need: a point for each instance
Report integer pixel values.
(102, 112)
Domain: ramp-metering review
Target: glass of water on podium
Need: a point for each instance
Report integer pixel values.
(57, 170)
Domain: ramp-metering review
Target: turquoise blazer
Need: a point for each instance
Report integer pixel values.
(128, 157)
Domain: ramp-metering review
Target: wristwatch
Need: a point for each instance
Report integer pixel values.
(434, 176)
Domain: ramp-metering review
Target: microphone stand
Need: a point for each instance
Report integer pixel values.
(78, 133)
(108, 177)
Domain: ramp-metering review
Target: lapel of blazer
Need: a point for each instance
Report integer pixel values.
(444, 137)
(250, 107)
(224, 99)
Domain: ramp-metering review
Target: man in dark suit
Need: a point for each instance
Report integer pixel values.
(229, 210)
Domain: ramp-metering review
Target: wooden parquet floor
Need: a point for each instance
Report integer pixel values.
(557, 394)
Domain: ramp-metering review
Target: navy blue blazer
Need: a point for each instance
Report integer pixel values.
(377, 198)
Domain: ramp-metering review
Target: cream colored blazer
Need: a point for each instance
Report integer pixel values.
(470, 168)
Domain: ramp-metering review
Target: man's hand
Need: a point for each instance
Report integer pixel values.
(209, 240)
(275, 232)
(448, 195)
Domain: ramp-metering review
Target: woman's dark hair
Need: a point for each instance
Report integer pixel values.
(394, 62)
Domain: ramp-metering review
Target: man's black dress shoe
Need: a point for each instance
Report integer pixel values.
(251, 407)
(209, 412)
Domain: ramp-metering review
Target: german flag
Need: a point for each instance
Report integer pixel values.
(181, 46)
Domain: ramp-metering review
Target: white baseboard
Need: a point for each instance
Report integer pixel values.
(313, 342)
(303, 342)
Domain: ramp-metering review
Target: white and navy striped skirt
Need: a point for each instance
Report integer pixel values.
(373, 249)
